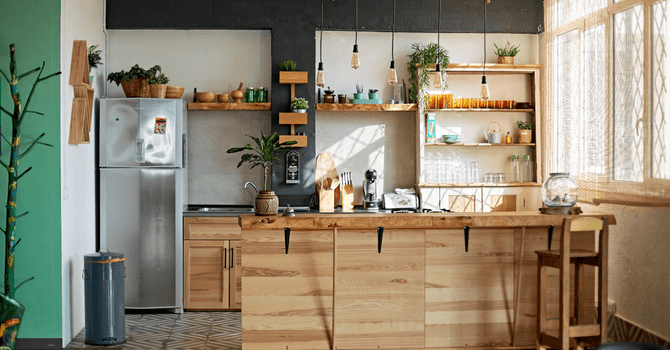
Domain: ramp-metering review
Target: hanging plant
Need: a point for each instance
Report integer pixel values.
(425, 56)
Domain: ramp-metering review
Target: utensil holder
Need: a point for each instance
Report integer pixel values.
(326, 201)
(347, 198)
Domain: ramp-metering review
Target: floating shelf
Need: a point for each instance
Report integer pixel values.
(300, 139)
(213, 106)
(482, 184)
(479, 110)
(293, 78)
(479, 144)
(356, 107)
(292, 119)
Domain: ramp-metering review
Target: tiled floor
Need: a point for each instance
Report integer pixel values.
(190, 330)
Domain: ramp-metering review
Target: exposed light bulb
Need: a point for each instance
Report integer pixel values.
(393, 76)
(319, 76)
(485, 89)
(438, 83)
(355, 60)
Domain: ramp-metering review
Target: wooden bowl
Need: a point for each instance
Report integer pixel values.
(205, 97)
(174, 91)
(223, 98)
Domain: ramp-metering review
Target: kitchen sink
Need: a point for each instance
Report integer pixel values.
(226, 210)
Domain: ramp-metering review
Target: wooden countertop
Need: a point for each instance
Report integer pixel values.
(325, 221)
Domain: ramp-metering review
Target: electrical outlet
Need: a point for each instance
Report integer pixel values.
(611, 306)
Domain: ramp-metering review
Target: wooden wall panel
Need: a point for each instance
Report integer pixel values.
(287, 298)
(536, 239)
(469, 295)
(379, 296)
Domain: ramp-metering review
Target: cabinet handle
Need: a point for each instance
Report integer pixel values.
(225, 257)
(232, 257)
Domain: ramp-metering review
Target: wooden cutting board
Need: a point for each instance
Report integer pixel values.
(326, 175)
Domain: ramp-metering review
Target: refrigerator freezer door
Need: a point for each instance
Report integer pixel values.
(139, 219)
(141, 132)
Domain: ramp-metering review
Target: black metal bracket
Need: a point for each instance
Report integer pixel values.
(551, 236)
(466, 233)
(287, 237)
(380, 236)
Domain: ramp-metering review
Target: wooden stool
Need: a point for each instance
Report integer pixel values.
(561, 259)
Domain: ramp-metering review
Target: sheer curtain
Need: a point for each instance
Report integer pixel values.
(607, 97)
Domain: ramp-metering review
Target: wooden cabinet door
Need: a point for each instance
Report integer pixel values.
(379, 297)
(461, 199)
(503, 199)
(235, 260)
(206, 275)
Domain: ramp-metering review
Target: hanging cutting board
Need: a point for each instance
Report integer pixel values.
(326, 175)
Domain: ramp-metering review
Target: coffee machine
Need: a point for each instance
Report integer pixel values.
(370, 200)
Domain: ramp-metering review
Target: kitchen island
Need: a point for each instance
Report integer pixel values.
(397, 281)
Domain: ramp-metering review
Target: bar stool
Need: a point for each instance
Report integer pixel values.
(570, 332)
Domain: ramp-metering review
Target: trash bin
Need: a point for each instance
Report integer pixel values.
(103, 291)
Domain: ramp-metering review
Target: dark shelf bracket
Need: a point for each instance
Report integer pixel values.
(551, 235)
(466, 233)
(287, 237)
(380, 236)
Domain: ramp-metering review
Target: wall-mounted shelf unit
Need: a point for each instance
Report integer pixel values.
(482, 184)
(355, 107)
(293, 119)
(479, 144)
(479, 110)
(213, 106)
(82, 103)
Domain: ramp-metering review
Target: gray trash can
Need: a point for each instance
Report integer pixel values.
(103, 291)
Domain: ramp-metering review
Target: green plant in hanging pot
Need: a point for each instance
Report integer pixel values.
(11, 311)
(420, 61)
(262, 154)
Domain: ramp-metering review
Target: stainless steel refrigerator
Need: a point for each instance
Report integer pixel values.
(143, 194)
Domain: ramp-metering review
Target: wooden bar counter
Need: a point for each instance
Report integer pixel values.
(422, 291)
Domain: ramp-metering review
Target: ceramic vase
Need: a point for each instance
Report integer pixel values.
(524, 136)
(11, 314)
(266, 203)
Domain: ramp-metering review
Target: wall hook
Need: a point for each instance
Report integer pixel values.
(466, 233)
(287, 236)
(551, 235)
(380, 235)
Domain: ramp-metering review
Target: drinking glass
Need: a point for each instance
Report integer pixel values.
(433, 101)
(448, 101)
(474, 171)
(488, 178)
(499, 104)
(465, 102)
(474, 102)
(457, 102)
(491, 104)
(438, 170)
(500, 178)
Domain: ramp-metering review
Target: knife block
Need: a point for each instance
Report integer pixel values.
(347, 198)
(326, 201)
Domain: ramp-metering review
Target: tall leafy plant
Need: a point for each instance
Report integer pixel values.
(18, 117)
(425, 56)
(262, 153)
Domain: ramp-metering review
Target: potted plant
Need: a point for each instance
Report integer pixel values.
(11, 311)
(288, 75)
(94, 59)
(373, 94)
(299, 105)
(288, 66)
(359, 95)
(158, 85)
(525, 133)
(506, 54)
(262, 154)
(133, 82)
(423, 58)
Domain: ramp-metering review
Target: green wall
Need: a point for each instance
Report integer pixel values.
(34, 26)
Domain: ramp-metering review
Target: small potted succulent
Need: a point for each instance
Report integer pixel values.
(134, 81)
(288, 66)
(299, 105)
(158, 84)
(506, 54)
(359, 95)
(525, 133)
(262, 154)
(373, 94)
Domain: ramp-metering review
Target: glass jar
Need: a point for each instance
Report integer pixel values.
(560, 190)
(260, 95)
(527, 174)
(249, 95)
(514, 169)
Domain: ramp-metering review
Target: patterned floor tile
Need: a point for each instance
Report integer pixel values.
(191, 328)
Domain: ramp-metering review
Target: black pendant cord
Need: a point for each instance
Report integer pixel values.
(393, 34)
(439, 17)
(356, 23)
(321, 38)
(485, 1)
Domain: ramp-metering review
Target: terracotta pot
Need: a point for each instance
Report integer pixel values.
(266, 203)
(506, 60)
(524, 136)
(158, 90)
(11, 316)
(135, 87)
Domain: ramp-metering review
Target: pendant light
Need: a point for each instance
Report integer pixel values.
(438, 83)
(393, 76)
(485, 86)
(319, 74)
(355, 60)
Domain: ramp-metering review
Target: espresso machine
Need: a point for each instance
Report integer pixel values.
(370, 200)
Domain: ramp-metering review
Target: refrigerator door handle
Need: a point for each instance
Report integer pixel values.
(139, 151)
(183, 151)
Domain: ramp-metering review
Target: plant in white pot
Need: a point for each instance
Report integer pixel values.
(299, 105)
(525, 132)
(262, 154)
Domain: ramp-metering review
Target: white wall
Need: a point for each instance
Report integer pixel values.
(386, 141)
(209, 60)
(80, 20)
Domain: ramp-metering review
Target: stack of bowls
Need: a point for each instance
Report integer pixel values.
(452, 138)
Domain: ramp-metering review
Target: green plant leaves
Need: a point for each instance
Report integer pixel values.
(423, 55)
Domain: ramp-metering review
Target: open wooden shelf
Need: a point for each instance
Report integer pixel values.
(292, 118)
(479, 110)
(300, 139)
(482, 184)
(479, 144)
(356, 107)
(214, 106)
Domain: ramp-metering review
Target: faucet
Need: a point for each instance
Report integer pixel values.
(252, 184)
